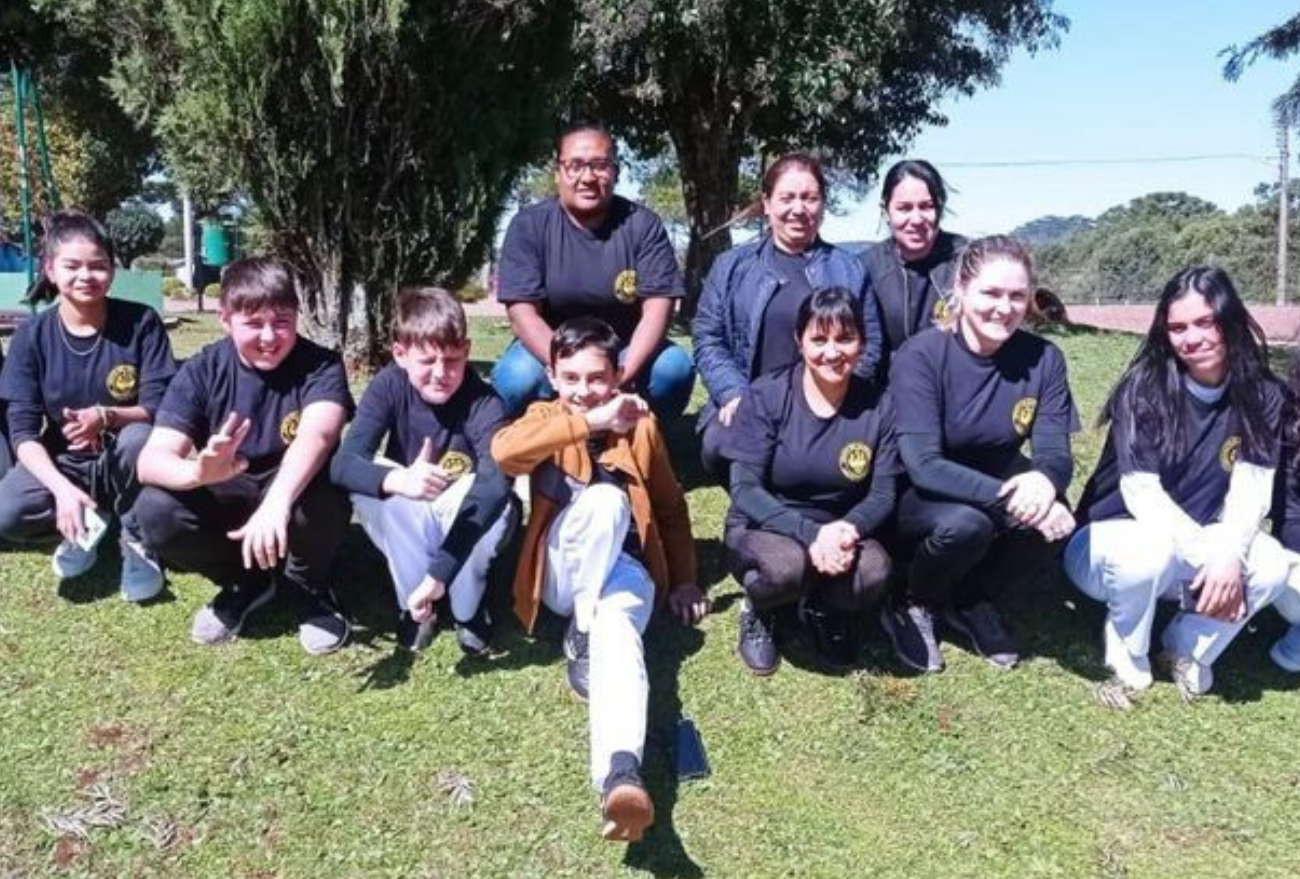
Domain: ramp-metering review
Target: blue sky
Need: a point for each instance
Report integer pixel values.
(1130, 80)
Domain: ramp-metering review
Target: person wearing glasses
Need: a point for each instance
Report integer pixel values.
(587, 251)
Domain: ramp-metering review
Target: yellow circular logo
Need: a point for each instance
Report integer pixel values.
(625, 286)
(122, 382)
(855, 461)
(289, 426)
(456, 464)
(1228, 453)
(939, 314)
(1022, 415)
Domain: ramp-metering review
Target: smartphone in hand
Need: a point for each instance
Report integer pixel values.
(93, 527)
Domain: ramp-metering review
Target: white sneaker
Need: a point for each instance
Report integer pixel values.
(1285, 652)
(1132, 671)
(142, 576)
(1192, 678)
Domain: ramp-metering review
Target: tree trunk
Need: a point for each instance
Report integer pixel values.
(709, 159)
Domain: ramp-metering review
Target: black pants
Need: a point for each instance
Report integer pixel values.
(27, 511)
(775, 571)
(716, 467)
(963, 554)
(188, 529)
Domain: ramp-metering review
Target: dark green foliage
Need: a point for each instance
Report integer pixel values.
(1052, 229)
(720, 82)
(1134, 248)
(377, 140)
(135, 230)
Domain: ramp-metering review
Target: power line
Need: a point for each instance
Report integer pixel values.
(1030, 163)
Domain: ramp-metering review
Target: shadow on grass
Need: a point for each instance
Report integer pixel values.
(661, 852)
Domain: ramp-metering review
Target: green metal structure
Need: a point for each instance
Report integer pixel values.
(27, 97)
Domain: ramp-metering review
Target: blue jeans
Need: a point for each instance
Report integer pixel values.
(520, 378)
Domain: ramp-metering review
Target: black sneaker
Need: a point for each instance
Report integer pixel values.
(756, 646)
(981, 624)
(475, 634)
(414, 636)
(322, 627)
(221, 619)
(625, 804)
(911, 628)
(579, 659)
(832, 634)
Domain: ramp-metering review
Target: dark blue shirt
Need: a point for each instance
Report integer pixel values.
(128, 363)
(777, 348)
(820, 467)
(570, 270)
(1198, 480)
(983, 409)
(215, 383)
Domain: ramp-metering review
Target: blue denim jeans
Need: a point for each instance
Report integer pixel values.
(520, 378)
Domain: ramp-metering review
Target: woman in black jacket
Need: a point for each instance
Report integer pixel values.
(912, 271)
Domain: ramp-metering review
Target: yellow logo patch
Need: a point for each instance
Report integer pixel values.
(456, 464)
(289, 426)
(1228, 453)
(855, 461)
(1022, 415)
(122, 382)
(939, 314)
(625, 286)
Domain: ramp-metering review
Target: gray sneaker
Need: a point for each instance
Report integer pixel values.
(142, 576)
(221, 620)
(322, 628)
(70, 560)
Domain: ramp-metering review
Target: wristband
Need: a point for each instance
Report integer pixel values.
(103, 419)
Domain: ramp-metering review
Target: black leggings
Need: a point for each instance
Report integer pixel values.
(963, 554)
(775, 571)
(188, 528)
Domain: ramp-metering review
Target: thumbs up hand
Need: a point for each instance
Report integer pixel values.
(422, 480)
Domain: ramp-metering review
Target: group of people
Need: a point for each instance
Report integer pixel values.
(891, 438)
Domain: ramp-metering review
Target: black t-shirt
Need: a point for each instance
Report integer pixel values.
(820, 467)
(128, 363)
(460, 430)
(1198, 480)
(215, 383)
(776, 344)
(569, 270)
(982, 408)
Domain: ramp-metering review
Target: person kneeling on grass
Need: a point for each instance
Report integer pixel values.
(253, 508)
(1183, 485)
(435, 505)
(609, 535)
(813, 474)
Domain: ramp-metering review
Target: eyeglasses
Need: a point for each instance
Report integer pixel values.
(574, 168)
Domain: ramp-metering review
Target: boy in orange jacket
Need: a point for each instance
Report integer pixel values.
(608, 538)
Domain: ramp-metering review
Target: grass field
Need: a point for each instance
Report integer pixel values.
(255, 761)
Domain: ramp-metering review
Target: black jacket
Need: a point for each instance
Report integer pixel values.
(900, 316)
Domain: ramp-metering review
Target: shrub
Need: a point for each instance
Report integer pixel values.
(472, 291)
(175, 288)
(212, 292)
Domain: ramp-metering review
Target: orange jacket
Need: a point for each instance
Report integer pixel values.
(549, 431)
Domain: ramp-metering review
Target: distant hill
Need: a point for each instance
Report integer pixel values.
(1052, 229)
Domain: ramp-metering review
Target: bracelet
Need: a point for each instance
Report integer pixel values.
(102, 412)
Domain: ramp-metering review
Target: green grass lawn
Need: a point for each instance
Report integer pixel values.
(255, 761)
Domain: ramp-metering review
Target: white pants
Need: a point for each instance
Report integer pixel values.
(611, 597)
(409, 533)
(1120, 562)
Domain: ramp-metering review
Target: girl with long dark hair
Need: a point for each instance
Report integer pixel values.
(1185, 480)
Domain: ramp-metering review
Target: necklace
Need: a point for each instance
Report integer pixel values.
(67, 338)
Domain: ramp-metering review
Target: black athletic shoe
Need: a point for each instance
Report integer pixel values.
(756, 646)
(911, 628)
(981, 624)
(832, 633)
(625, 804)
(578, 655)
(414, 636)
(475, 634)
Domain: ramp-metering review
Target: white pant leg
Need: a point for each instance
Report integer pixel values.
(582, 548)
(467, 589)
(408, 532)
(1120, 562)
(1287, 600)
(1204, 638)
(619, 690)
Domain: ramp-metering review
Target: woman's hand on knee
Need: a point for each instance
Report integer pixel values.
(1221, 589)
(1029, 497)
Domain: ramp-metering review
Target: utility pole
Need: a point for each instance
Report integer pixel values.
(1283, 206)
